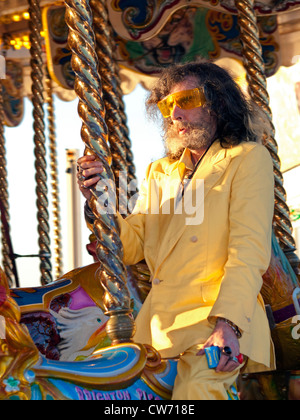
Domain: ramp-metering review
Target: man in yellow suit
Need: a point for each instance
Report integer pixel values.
(203, 224)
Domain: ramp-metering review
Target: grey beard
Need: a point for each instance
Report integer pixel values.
(197, 138)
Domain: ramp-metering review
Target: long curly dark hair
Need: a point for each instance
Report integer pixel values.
(238, 118)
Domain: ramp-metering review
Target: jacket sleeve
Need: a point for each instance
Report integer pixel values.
(249, 248)
(132, 229)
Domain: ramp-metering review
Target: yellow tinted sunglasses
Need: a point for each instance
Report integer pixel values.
(186, 99)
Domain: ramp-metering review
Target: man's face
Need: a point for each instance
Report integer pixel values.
(193, 128)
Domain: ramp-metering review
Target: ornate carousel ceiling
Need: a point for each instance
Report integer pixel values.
(149, 36)
(138, 9)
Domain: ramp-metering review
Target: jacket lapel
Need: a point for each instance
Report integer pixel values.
(210, 171)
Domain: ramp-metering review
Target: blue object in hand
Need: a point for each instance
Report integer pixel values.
(213, 355)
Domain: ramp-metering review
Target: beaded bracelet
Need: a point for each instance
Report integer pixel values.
(232, 326)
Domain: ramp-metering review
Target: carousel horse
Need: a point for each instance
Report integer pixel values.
(67, 324)
(54, 344)
(66, 319)
(281, 293)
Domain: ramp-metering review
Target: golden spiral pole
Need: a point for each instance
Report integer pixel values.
(107, 70)
(254, 64)
(39, 140)
(131, 170)
(129, 154)
(58, 271)
(6, 261)
(94, 133)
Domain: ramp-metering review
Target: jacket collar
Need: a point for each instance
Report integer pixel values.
(214, 155)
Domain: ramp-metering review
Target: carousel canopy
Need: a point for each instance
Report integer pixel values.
(151, 35)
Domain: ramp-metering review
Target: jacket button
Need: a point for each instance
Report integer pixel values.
(156, 282)
(194, 239)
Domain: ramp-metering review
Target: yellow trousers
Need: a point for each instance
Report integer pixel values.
(195, 381)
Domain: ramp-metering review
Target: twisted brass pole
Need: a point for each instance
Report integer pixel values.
(120, 144)
(94, 133)
(6, 261)
(254, 64)
(131, 169)
(54, 180)
(121, 110)
(112, 117)
(39, 140)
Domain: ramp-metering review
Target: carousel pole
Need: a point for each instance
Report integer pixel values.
(54, 179)
(39, 140)
(8, 263)
(254, 64)
(120, 145)
(94, 132)
(131, 170)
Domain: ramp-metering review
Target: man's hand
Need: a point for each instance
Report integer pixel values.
(223, 336)
(90, 169)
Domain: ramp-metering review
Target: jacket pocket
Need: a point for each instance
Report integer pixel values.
(210, 291)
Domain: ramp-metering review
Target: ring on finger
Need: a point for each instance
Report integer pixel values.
(81, 177)
(227, 351)
(83, 186)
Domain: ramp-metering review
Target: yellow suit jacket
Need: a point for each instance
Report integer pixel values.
(204, 264)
